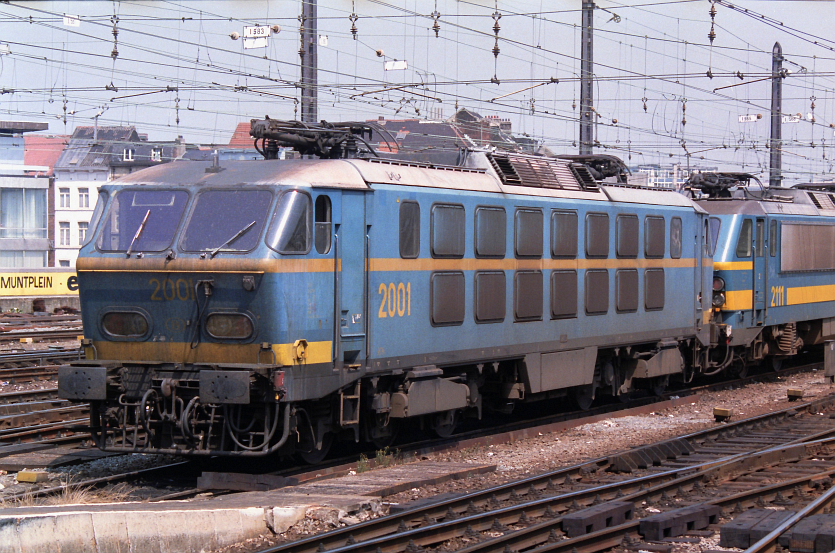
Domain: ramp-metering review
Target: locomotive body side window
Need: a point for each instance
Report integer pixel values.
(772, 239)
(563, 294)
(675, 237)
(447, 299)
(490, 232)
(527, 294)
(490, 294)
(528, 233)
(290, 230)
(654, 237)
(322, 222)
(626, 291)
(760, 238)
(447, 231)
(597, 292)
(807, 247)
(409, 229)
(627, 230)
(226, 220)
(564, 234)
(744, 244)
(654, 289)
(597, 235)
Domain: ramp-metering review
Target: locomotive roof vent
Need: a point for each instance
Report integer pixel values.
(823, 200)
(541, 172)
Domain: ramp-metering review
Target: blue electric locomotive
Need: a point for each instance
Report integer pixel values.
(773, 291)
(246, 308)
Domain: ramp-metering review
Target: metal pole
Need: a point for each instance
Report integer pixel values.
(586, 82)
(309, 62)
(776, 142)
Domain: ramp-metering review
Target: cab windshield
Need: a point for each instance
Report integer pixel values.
(142, 220)
(226, 220)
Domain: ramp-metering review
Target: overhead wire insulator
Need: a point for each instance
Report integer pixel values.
(435, 25)
(353, 19)
(496, 28)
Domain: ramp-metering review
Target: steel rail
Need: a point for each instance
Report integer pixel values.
(370, 530)
(28, 395)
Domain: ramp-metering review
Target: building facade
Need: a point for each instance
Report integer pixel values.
(25, 238)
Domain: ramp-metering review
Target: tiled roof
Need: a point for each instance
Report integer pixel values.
(44, 150)
(240, 138)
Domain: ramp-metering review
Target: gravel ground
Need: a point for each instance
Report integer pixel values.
(15, 347)
(546, 452)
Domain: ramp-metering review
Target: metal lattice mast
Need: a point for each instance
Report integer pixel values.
(309, 62)
(776, 142)
(586, 81)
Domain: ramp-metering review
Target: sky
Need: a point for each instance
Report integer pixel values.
(178, 72)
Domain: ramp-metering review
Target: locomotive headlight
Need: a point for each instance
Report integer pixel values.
(229, 326)
(718, 299)
(125, 324)
(718, 284)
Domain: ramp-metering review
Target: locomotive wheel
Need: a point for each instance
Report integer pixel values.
(443, 424)
(316, 456)
(584, 396)
(659, 386)
(776, 363)
(381, 442)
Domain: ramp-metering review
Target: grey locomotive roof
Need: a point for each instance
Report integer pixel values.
(364, 174)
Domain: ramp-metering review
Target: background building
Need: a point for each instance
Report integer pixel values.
(25, 235)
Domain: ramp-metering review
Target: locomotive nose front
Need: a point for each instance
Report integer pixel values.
(171, 297)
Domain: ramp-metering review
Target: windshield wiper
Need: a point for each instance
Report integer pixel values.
(138, 232)
(237, 235)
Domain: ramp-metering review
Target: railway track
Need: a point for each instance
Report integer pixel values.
(40, 335)
(778, 457)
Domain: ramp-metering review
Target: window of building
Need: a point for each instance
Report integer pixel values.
(64, 234)
(83, 198)
(563, 294)
(23, 213)
(654, 238)
(597, 235)
(322, 218)
(527, 292)
(447, 300)
(490, 296)
(64, 263)
(64, 197)
(675, 237)
(627, 226)
(409, 229)
(744, 244)
(564, 234)
(529, 233)
(82, 232)
(127, 154)
(447, 238)
(156, 155)
(490, 232)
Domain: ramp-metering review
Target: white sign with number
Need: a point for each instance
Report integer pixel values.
(257, 31)
(71, 21)
(747, 118)
(395, 65)
(791, 119)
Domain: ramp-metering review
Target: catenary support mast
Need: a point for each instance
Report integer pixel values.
(776, 142)
(309, 62)
(586, 82)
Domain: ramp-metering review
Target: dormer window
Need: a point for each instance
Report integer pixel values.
(127, 155)
(156, 155)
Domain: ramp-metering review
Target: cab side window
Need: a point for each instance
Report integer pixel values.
(409, 229)
(322, 218)
(746, 235)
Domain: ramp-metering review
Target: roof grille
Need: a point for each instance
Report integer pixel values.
(822, 200)
(541, 172)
